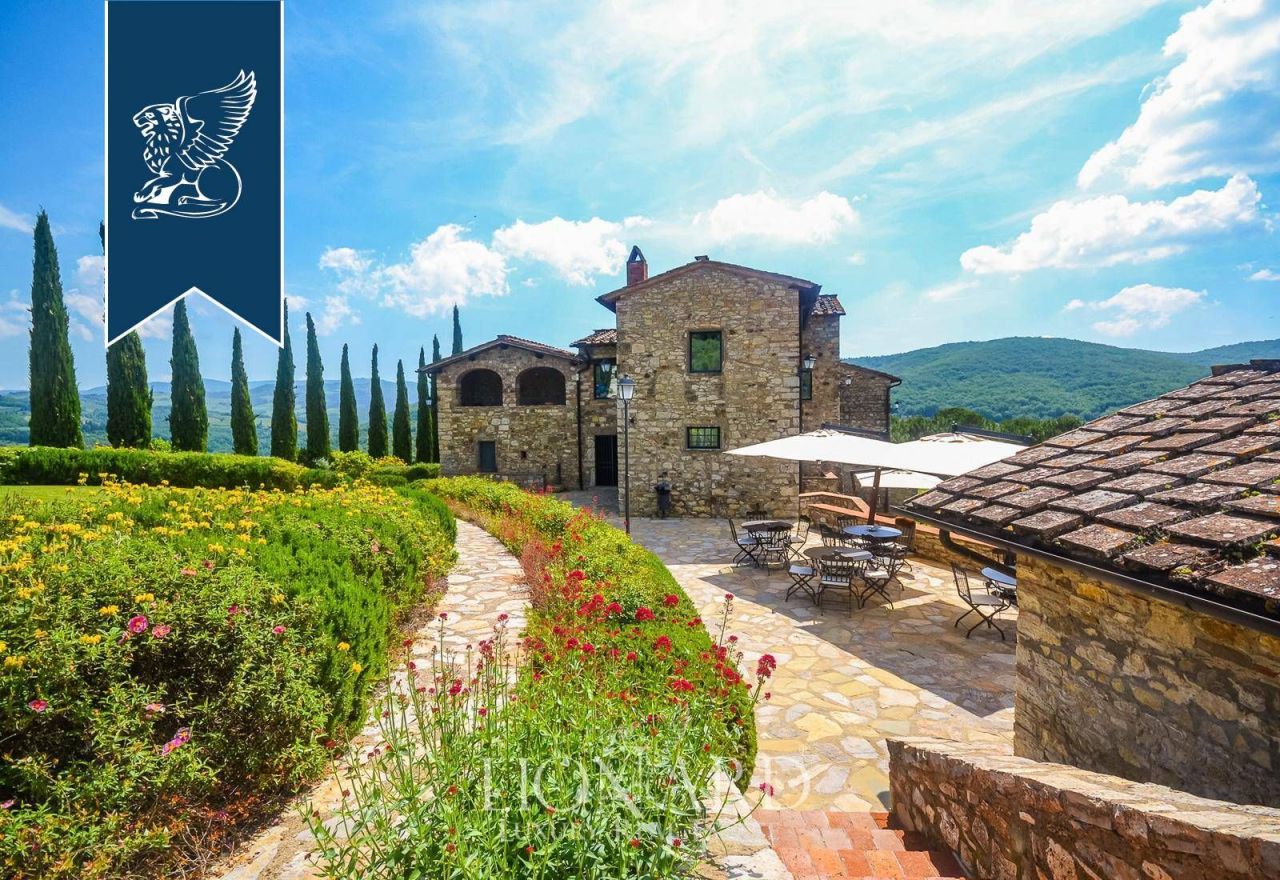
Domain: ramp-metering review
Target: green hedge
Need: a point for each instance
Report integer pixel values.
(49, 466)
(628, 573)
(256, 623)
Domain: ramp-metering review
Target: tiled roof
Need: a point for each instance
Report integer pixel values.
(828, 304)
(504, 340)
(700, 265)
(607, 336)
(1182, 491)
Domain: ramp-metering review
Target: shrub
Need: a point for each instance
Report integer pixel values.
(381, 478)
(352, 464)
(46, 465)
(170, 659)
(592, 760)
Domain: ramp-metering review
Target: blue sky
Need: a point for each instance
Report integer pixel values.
(953, 170)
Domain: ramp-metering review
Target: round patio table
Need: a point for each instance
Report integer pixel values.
(874, 533)
(819, 553)
(1003, 584)
(767, 525)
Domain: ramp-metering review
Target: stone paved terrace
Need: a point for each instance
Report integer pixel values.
(844, 683)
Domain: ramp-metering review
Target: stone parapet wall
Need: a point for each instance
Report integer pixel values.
(1121, 682)
(1010, 818)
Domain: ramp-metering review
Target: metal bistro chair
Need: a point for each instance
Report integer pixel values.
(836, 574)
(830, 537)
(747, 545)
(798, 538)
(802, 572)
(892, 557)
(985, 605)
(907, 542)
(774, 547)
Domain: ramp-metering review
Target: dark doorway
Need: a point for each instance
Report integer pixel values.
(606, 459)
(487, 457)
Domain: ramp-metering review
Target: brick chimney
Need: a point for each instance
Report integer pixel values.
(637, 268)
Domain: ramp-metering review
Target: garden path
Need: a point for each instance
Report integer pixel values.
(486, 582)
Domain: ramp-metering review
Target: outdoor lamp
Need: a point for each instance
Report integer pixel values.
(809, 362)
(626, 388)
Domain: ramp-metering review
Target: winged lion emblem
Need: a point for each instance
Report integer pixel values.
(186, 146)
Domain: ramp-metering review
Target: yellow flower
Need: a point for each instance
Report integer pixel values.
(3, 647)
(14, 660)
(277, 598)
(145, 597)
(40, 634)
(90, 640)
(355, 668)
(108, 610)
(343, 646)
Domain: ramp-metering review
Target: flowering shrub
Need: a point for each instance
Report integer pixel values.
(172, 659)
(45, 465)
(591, 758)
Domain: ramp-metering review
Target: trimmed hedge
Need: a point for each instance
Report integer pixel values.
(51, 466)
(172, 659)
(626, 573)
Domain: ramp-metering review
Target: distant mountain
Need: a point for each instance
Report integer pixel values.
(1044, 378)
(93, 411)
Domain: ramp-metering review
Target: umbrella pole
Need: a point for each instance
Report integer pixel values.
(875, 498)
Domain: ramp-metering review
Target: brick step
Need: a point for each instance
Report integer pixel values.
(817, 845)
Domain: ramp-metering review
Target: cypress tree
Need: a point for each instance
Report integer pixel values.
(435, 348)
(244, 424)
(128, 394)
(348, 418)
(377, 413)
(284, 419)
(188, 419)
(435, 388)
(317, 410)
(457, 332)
(422, 447)
(401, 440)
(55, 400)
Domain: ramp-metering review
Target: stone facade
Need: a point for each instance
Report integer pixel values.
(767, 322)
(1009, 818)
(1117, 681)
(533, 443)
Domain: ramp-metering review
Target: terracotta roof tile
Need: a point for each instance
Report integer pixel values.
(1102, 540)
(1141, 483)
(999, 469)
(1145, 515)
(1200, 465)
(827, 304)
(1047, 523)
(1094, 502)
(1189, 466)
(607, 336)
(933, 499)
(1223, 529)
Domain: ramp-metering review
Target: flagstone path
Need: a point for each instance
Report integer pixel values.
(486, 582)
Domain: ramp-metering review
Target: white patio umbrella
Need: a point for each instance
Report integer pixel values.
(900, 479)
(949, 455)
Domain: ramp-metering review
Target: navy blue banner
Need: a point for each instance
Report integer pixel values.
(194, 167)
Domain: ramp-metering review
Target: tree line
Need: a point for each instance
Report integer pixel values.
(55, 398)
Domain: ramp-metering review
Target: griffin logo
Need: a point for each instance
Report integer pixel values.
(187, 142)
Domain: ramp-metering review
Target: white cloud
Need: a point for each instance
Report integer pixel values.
(1216, 113)
(344, 259)
(1140, 307)
(10, 219)
(576, 250)
(944, 292)
(1110, 230)
(1265, 275)
(337, 313)
(766, 217)
(443, 270)
(15, 316)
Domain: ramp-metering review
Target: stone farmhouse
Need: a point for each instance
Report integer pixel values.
(1148, 565)
(717, 352)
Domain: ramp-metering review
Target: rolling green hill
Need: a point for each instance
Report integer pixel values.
(93, 412)
(1043, 378)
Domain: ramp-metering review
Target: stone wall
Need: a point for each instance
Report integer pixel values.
(1110, 679)
(755, 397)
(598, 416)
(1009, 818)
(864, 398)
(531, 440)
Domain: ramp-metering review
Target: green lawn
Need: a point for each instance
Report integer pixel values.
(46, 493)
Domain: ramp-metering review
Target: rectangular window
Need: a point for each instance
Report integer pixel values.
(706, 351)
(487, 457)
(702, 438)
(603, 372)
(806, 384)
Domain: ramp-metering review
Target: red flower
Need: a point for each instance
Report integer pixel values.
(662, 644)
(766, 665)
(160, 630)
(671, 600)
(681, 685)
(631, 656)
(643, 613)
(137, 624)
(38, 705)
(278, 629)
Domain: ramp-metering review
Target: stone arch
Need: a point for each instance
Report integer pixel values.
(540, 386)
(480, 387)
